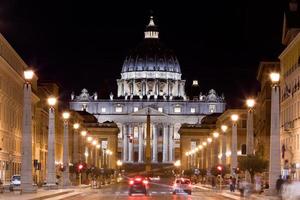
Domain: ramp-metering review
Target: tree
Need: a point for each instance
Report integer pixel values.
(253, 164)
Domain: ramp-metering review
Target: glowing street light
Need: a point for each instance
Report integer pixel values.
(216, 134)
(28, 75)
(234, 117)
(274, 76)
(52, 101)
(209, 140)
(204, 143)
(224, 128)
(76, 126)
(89, 139)
(250, 103)
(83, 133)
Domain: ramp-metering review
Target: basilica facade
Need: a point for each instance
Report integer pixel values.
(150, 83)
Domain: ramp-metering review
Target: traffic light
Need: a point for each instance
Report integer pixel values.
(80, 167)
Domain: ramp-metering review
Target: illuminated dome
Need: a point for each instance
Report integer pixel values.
(151, 55)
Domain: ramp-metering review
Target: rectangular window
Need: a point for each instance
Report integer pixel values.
(193, 110)
(212, 108)
(177, 109)
(103, 110)
(160, 109)
(244, 123)
(119, 109)
(135, 109)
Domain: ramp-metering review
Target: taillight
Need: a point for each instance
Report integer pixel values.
(131, 182)
(190, 185)
(145, 182)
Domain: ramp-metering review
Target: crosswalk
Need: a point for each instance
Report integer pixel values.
(151, 193)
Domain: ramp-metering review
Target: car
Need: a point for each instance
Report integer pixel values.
(138, 185)
(182, 185)
(15, 182)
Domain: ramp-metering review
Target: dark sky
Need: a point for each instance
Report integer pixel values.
(83, 44)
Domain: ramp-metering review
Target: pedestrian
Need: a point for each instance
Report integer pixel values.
(230, 184)
(279, 183)
(233, 183)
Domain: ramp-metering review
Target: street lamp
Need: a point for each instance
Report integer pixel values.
(76, 126)
(66, 179)
(250, 104)
(209, 140)
(216, 134)
(83, 133)
(89, 139)
(26, 168)
(51, 173)
(274, 166)
(234, 119)
(224, 129)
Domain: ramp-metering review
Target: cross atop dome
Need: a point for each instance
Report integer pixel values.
(151, 30)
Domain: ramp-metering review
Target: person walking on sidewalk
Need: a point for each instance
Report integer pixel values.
(279, 183)
(231, 184)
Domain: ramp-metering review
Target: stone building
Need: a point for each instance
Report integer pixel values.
(289, 94)
(150, 81)
(262, 110)
(197, 151)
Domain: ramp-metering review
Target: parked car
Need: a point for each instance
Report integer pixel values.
(15, 182)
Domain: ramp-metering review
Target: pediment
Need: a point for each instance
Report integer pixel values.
(151, 111)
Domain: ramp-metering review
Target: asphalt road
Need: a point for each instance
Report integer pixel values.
(157, 190)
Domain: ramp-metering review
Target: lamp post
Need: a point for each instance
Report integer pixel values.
(216, 148)
(66, 178)
(209, 152)
(51, 174)
(250, 104)
(26, 169)
(75, 145)
(224, 129)
(274, 166)
(83, 133)
(234, 119)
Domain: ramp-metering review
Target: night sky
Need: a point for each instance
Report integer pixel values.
(83, 44)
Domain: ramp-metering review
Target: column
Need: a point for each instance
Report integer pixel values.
(274, 169)
(202, 159)
(26, 170)
(141, 143)
(66, 179)
(208, 156)
(75, 146)
(165, 143)
(130, 150)
(224, 148)
(51, 174)
(216, 152)
(171, 143)
(125, 143)
(154, 143)
(234, 148)
(249, 143)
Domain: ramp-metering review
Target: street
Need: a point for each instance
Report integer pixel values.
(158, 190)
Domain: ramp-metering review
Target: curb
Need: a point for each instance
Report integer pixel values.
(51, 195)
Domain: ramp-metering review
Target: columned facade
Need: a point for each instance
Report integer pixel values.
(133, 150)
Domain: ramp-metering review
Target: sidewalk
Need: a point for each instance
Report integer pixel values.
(236, 195)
